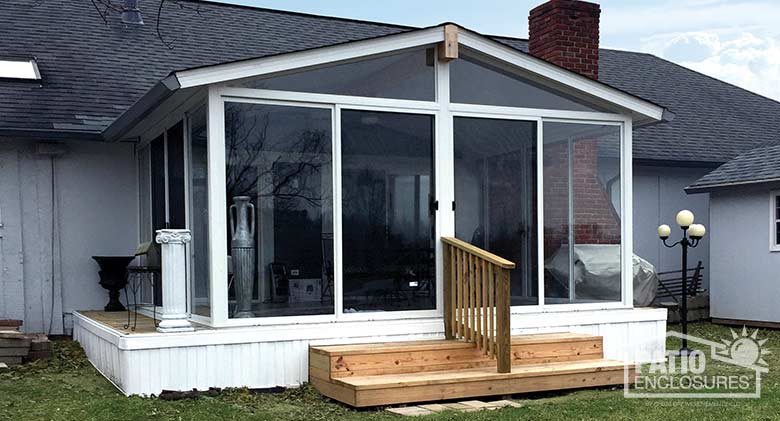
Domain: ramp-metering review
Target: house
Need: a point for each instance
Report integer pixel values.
(744, 215)
(336, 180)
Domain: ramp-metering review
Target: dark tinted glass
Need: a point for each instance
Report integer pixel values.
(280, 210)
(159, 218)
(199, 214)
(495, 193)
(387, 191)
(176, 218)
(407, 75)
(476, 82)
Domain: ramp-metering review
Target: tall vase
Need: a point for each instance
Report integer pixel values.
(242, 228)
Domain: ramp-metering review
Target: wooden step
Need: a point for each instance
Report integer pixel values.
(362, 391)
(339, 361)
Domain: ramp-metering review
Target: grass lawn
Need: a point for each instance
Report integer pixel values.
(67, 387)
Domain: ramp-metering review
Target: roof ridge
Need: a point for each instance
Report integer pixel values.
(304, 14)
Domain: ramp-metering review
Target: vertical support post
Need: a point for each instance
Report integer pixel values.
(174, 280)
(503, 333)
(684, 304)
(448, 288)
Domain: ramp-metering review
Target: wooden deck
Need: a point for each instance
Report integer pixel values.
(421, 371)
(117, 320)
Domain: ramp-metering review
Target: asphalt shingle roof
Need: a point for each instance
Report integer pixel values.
(759, 165)
(93, 71)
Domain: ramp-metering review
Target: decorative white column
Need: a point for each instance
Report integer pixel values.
(174, 280)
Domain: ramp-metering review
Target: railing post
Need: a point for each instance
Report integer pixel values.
(174, 280)
(503, 332)
(448, 286)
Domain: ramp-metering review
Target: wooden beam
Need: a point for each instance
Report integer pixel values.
(448, 49)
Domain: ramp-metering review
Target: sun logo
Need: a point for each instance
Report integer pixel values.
(745, 350)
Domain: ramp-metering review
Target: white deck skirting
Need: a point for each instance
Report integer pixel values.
(268, 356)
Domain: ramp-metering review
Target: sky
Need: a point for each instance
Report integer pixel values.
(733, 40)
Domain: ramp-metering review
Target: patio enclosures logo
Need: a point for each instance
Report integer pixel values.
(731, 368)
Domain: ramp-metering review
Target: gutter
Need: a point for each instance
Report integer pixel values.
(50, 134)
(142, 108)
(693, 189)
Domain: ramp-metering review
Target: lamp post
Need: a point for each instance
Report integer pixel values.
(692, 234)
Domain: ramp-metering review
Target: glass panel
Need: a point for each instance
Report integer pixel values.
(777, 207)
(280, 210)
(159, 217)
(580, 160)
(476, 82)
(199, 214)
(388, 228)
(145, 193)
(175, 142)
(407, 75)
(495, 193)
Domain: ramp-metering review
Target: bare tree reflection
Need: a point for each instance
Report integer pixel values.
(261, 165)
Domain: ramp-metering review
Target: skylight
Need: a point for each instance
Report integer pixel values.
(19, 69)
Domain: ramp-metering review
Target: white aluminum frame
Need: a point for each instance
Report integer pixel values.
(444, 113)
(773, 220)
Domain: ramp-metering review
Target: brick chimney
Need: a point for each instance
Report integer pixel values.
(566, 33)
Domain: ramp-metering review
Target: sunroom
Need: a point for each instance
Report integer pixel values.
(419, 186)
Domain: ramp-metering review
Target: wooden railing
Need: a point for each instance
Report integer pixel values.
(477, 299)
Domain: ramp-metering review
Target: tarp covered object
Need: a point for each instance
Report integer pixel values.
(597, 273)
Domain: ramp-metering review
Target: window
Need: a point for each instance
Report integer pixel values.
(775, 221)
(477, 82)
(199, 215)
(167, 179)
(280, 210)
(407, 75)
(495, 193)
(19, 69)
(582, 230)
(387, 218)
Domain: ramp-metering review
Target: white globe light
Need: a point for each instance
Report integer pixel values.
(685, 218)
(664, 231)
(697, 230)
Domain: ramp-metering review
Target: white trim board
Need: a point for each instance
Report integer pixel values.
(773, 220)
(353, 331)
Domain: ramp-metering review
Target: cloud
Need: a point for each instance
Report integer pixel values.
(745, 59)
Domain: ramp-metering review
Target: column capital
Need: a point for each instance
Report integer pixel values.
(173, 236)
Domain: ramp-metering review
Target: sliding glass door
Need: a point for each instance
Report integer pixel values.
(495, 195)
(387, 211)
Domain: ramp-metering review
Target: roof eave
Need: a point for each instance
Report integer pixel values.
(706, 188)
(141, 108)
(50, 134)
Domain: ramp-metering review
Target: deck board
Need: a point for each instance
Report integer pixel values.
(480, 374)
(117, 320)
(386, 373)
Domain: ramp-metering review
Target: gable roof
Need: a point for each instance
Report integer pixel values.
(760, 165)
(93, 72)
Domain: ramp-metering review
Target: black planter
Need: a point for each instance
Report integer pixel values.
(113, 277)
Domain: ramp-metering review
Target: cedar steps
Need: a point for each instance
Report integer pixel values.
(418, 371)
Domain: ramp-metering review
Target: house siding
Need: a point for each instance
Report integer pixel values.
(93, 211)
(745, 279)
(658, 196)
